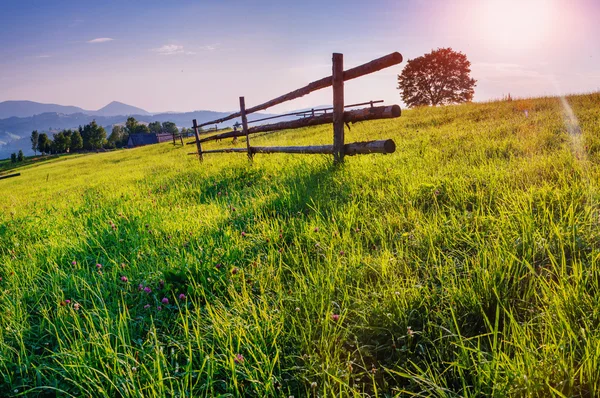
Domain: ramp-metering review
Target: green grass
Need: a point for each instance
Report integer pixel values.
(465, 264)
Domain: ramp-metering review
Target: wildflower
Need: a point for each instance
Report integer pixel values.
(316, 229)
(123, 265)
(297, 309)
(409, 331)
(342, 252)
(124, 279)
(313, 385)
(67, 301)
(165, 300)
(335, 317)
(133, 369)
(239, 358)
(219, 266)
(76, 306)
(73, 262)
(182, 296)
(147, 306)
(234, 270)
(140, 287)
(243, 233)
(98, 266)
(159, 308)
(147, 290)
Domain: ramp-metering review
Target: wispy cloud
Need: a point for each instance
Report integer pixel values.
(100, 40)
(172, 49)
(210, 47)
(43, 56)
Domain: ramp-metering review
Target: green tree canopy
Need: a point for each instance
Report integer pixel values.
(438, 78)
(20, 156)
(34, 140)
(155, 127)
(93, 136)
(62, 142)
(76, 141)
(118, 137)
(170, 127)
(44, 144)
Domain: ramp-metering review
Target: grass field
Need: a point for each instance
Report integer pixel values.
(465, 264)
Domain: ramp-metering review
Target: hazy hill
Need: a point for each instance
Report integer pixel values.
(116, 108)
(30, 108)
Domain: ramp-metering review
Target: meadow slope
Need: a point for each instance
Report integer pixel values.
(465, 264)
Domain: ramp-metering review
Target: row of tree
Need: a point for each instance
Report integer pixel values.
(14, 157)
(92, 136)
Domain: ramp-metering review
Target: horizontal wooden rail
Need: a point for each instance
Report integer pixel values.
(9, 176)
(354, 116)
(355, 148)
(364, 69)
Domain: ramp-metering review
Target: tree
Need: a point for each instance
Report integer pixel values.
(170, 127)
(76, 141)
(62, 142)
(142, 129)
(20, 156)
(118, 137)
(131, 125)
(44, 144)
(93, 136)
(438, 78)
(155, 127)
(34, 141)
(13, 157)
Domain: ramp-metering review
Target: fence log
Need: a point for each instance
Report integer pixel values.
(9, 176)
(355, 148)
(365, 69)
(198, 144)
(338, 107)
(362, 148)
(354, 116)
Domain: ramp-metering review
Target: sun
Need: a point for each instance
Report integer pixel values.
(517, 24)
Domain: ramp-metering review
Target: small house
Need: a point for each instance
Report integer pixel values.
(141, 139)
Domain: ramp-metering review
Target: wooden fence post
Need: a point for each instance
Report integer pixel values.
(245, 126)
(198, 144)
(338, 108)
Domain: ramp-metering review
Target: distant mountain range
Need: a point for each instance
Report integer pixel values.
(30, 108)
(19, 118)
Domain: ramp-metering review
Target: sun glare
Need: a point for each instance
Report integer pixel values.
(518, 24)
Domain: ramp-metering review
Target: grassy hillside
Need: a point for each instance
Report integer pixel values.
(465, 264)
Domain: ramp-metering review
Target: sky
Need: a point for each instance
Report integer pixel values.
(177, 55)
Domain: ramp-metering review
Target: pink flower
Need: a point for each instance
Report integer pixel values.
(182, 296)
(140, 287)
(147, 306)
(73, 262)
(124, 279)
(159, 308)
(165, 300)
(243, 233)
(147, 290)
(239, 358)
(67, 301)
(335, 317)
(98, 266)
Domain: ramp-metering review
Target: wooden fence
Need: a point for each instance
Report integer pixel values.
(338, 117)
